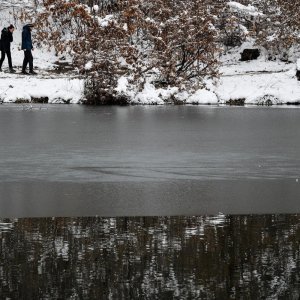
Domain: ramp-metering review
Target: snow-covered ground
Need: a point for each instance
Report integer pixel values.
(57, 88)
(52, 90)
(257, 88)
(279, 87)
(258, 81)
(255, 82)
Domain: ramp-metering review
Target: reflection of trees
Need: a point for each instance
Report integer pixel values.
(151, 258)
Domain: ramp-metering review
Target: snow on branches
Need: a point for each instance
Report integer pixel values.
(281, 29)
(170, 42)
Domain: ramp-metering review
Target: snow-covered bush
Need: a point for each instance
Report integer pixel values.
(170, 43)
(159, 43)
(236, 21)
(280, 32)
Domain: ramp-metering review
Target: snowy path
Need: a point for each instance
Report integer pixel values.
(40, 75)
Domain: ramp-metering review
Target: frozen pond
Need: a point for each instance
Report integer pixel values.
(170, 160)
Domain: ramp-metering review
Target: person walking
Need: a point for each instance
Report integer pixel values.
(6, 40)
(27, 47)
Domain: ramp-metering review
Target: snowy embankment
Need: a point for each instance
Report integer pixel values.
(255, 82)
(259, 82)
(243, 83)
(271, 88)
(34, 89)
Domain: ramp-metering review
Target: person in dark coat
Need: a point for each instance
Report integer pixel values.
(28, 48)
(6, 40)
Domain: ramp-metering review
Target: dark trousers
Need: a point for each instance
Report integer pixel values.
(28, 58)
(7, 52)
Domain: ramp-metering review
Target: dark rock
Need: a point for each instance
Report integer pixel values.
(298, 74)
(250, 54)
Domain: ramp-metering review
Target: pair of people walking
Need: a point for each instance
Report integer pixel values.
(27, 47)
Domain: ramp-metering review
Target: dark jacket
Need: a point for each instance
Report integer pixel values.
(26, 38)
(6, 39)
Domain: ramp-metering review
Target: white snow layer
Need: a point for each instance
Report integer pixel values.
(203, 97)
(251, 86)
(255, 82)
(298, 64)
(273, 88)
(59, 90)
(249, 9)
(88, 65)
(96, 8)
(149, 95)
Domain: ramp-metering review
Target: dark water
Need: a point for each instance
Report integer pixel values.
(220, 257)
(179, 162)
(116, 161)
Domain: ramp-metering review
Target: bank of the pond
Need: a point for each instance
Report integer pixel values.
(257, 83)
(25, 89)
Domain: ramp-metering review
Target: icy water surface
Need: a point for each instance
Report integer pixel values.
(187, 163)
(217, 257)
(173, 160)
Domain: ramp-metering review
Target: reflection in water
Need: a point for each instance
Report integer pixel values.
(221, 257)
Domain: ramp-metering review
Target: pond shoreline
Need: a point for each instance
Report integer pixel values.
(233, 103)
(277, 88)
(259, 82)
